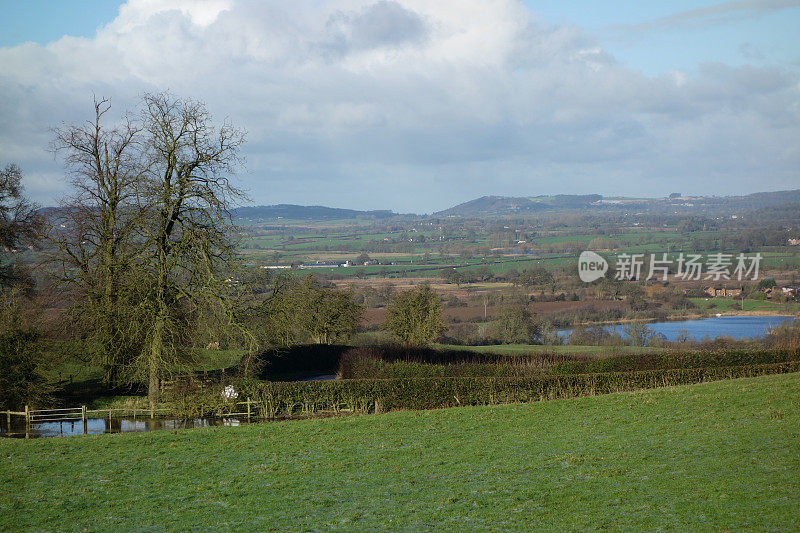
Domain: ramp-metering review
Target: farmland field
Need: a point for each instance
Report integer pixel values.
(735, 304)
(714, 456)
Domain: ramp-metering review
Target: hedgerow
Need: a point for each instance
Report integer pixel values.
(287, 399)
(393, 362)
(675, 359)
(375, 362)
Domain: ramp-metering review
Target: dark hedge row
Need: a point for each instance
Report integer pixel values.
(676, 359)
(276, 399)
(298, 361)
(388, 362)
(315, 359)
(438, 356)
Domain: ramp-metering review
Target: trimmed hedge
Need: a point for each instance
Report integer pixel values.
(391, 362)
(395, 361)
(676, 359)
(286, 399)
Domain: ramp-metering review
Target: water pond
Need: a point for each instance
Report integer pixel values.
(738, 327)
(103, 425)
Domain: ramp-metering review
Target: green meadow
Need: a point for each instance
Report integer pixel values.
(736, 304)
(710, 457)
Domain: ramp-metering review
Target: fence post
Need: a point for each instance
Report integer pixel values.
(27, 421)
(84, 420)
(248, 409)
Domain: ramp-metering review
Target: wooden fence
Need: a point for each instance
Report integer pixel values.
(42, 416)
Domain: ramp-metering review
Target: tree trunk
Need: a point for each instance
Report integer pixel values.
(154, 361)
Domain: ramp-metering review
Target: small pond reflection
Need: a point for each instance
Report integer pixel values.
(101, 425)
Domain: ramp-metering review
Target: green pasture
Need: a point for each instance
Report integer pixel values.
(404, 268)
(735, 304)
(718, 456)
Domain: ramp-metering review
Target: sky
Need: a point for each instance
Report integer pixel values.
(416, 106)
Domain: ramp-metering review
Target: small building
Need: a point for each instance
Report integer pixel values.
(321, 264)
(722, 292)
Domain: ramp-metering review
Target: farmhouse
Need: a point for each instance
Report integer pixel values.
(722, 292)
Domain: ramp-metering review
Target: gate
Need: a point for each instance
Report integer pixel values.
(71, 414)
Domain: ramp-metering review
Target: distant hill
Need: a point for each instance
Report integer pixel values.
(759, 199)
(515, 205)
(493, 206)
(305, 212)
(490, 205)
(706, 205)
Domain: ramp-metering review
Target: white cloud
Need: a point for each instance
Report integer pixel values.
(411, 105)
(137, 14)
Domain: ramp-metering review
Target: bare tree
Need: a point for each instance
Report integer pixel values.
(94, 232)
(146, 237)
(187, 194)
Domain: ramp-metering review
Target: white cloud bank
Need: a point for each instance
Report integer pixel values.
(410, 104)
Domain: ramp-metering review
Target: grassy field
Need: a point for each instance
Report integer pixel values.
(710, 457)
(735, 304)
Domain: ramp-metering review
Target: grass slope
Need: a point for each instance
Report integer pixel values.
(716, 456)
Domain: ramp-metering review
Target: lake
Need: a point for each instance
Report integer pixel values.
(738, 327)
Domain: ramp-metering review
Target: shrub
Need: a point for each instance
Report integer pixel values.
(21, 381)
(515, 325)
(415, 316)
